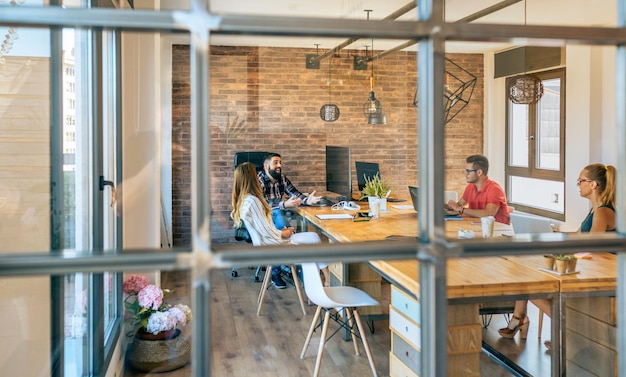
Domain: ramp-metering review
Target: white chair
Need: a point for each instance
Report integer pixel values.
(338, 298)
(450, 195)
(266, 284)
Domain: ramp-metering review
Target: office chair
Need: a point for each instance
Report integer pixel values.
(343, 298)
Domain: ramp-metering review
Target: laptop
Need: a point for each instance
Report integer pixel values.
(526, 223)
(415, 193)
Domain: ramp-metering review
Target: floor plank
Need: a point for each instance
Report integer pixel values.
(270, 344)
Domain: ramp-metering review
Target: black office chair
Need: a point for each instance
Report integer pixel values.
(241, 234)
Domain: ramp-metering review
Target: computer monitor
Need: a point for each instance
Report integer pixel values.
(366, 169)
(338, 171)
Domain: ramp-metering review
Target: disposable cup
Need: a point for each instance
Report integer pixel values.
(487, 226)
(374, 207)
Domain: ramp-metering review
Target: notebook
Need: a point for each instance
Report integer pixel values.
(415, 193)
(526, 223)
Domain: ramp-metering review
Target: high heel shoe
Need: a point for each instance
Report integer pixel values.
(521, 326)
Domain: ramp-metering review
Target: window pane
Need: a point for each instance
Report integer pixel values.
(518, 135)
(537, 193)
(548, 130)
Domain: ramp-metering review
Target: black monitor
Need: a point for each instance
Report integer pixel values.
(338, 171)
(366, 169)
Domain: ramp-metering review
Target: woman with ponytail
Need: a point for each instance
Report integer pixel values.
(595, 182)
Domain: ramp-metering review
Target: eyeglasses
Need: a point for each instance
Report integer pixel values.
(579, 181)
(467, 171)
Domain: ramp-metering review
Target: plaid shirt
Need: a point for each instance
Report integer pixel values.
(273, 191)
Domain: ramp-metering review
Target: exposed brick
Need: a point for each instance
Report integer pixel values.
(279, 100)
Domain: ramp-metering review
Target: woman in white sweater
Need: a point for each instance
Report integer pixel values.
(250, 208)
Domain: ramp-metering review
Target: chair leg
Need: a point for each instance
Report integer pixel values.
(320, 350)
(350, 316)
(366, 345)
(540, 323)
(264, 287)
(311, 329)
(296, 282)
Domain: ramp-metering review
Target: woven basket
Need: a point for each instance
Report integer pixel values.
(158, 355)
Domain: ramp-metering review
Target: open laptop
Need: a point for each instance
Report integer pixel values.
(415, 193)
(527, 223)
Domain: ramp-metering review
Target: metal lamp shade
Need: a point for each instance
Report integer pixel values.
(525, 89)
(329, 112)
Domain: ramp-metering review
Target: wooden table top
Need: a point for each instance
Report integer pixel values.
(467, 277)
(475, 277)
(396, 222)
(596, 274)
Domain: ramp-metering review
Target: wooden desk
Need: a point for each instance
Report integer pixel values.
(469, 282)
(588, 314)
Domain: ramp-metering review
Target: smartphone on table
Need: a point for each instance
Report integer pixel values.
(361, 216)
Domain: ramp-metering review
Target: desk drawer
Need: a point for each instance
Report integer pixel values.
(405, 352)
(404, 327)
(405, 304)
(398, 369)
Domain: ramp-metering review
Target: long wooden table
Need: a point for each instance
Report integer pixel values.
(473, 280)
(470, 281)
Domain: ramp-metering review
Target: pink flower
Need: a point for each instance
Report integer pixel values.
(151, 297)
(134, 284)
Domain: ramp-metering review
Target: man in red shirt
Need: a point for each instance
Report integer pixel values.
(482, 196)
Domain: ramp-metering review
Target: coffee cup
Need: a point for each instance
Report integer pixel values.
(487, 226)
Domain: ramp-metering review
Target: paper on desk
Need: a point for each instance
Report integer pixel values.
(402, 206)
(334, 216)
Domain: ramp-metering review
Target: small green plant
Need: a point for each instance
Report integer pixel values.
(374, 186)
(564, 257)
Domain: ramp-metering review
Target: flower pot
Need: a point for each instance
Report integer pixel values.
(561, 266)
(548, 262)
(153, 355)
(571, 265)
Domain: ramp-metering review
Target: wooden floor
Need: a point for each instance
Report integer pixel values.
(270, 344)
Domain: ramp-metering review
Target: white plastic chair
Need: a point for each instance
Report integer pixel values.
(338, 298)
(450, 195)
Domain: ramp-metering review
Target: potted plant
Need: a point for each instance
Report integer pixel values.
(375, 190)
(375, 187)
(562, 262)
(548, 261)
(156, 346)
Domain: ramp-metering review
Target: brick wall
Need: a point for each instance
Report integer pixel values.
(278, 100)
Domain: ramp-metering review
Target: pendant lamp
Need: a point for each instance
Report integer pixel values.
(372, 108)
(329, 112)
(525, 89)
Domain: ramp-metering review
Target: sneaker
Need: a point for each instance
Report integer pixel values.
(278, 281)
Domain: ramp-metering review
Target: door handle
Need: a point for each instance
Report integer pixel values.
(113, 191)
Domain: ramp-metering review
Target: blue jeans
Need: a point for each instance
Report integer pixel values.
(280, 219)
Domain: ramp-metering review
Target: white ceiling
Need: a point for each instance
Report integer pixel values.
(538, 12)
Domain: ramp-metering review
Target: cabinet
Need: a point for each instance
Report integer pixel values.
(464, 337)
(590, 336)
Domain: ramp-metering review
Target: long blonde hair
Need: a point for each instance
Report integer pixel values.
(246, 182)
(605, 176)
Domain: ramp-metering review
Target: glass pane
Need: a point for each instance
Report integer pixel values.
(549, 126)
(518, 135)
(537, 193)
(25, 197)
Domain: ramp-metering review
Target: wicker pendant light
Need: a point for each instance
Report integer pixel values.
(525, 89)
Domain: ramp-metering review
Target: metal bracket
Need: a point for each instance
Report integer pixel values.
(360, 63)
(312, 61)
